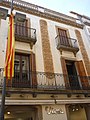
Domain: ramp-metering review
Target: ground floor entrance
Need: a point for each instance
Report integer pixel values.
(78, 112)
(35, 112)
(48, 112)
(21, 113)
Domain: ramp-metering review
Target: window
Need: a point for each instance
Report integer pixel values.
(21, 29)
(21, 66)
(24, 70)
(63, 37)
(74, 74)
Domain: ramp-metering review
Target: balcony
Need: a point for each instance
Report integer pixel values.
(47, 83)
(67, 44)
(25, 34)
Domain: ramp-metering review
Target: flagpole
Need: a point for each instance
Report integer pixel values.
(3, 100)
(4, 87)
(11, 6)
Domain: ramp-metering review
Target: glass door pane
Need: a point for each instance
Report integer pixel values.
(72, 74)
(21, 69)
(25, 68)
(17, 67)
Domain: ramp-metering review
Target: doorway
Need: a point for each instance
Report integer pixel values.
(76, 112)
(21, 70)
(72, 75)
(21, 113)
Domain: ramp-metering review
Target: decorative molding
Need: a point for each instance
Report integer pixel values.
(44, 102)
(47, 55)
(41, 12)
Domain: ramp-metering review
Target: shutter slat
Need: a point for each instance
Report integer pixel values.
(33, 69)
(65, 74)
(82, 74)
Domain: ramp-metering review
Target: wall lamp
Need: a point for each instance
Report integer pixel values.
(18, 16)
(3, 13)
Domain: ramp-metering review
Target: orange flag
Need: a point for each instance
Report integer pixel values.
(10, 50)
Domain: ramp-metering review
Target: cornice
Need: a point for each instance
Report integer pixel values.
(41, 14)
(87, 23)
(45, 102)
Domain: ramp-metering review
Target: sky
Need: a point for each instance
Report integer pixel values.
(65, 6)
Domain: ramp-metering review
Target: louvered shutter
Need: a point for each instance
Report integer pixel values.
(21, 28)
(63, 37)
(82, 74)
(65, 74)
(33, 70)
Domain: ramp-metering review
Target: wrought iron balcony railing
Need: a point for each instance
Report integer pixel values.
(25, 34)
(66, 43)
(47, 81)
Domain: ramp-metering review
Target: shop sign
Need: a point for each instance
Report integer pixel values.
(51, 110)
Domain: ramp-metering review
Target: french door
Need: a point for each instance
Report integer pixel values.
(72, 75)
(21, 70)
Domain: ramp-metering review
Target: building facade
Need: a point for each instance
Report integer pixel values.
(51, 66)
(85, 21)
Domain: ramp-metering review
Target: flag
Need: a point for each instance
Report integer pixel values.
(10, 50)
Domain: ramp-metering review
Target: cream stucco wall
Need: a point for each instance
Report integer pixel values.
(37, 48)
(55, 53)
(3, 39)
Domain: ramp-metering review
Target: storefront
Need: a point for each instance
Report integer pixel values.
(22, 113)
(76, 112)
(44, 112)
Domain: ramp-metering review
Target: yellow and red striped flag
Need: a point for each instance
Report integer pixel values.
(10, 50)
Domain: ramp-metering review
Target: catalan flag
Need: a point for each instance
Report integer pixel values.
(9, 61)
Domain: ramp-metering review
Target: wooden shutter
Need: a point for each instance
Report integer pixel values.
(65, 74)
(21, 28)
(82, 74)
(33, 70)
(63, 37)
